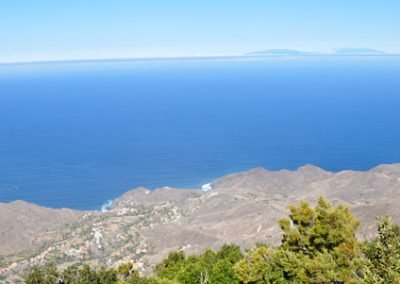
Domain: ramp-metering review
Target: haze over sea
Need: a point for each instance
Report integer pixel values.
(77, 134)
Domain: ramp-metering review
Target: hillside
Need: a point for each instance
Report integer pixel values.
(142, 226)
(20, 222)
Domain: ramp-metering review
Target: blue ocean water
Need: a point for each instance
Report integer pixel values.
(77, 134)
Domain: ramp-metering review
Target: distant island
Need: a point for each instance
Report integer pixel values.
(262, 53)
(337, 51)
(358, 51)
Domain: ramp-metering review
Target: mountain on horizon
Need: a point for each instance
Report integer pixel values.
(336, 51)
(358, 51)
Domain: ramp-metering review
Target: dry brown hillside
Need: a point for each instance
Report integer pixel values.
(144, 225)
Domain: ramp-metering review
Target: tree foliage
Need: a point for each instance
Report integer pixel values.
(383, 254)
(260, 265)
(47, 274)
(210, 267)
(318, 245)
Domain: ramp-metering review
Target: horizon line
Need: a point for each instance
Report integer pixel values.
(191, 57)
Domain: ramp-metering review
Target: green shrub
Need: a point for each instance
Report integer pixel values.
(318, 245)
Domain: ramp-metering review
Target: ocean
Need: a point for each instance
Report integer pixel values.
(78, 134)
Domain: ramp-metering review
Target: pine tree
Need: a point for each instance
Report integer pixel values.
(383, 254)
(318, 246)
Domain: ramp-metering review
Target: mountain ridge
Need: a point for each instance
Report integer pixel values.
(143, 225)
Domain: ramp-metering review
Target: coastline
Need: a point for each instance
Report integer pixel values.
(105, 135)
(209, 186)
(144, 225)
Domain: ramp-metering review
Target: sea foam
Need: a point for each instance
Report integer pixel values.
(106, 206)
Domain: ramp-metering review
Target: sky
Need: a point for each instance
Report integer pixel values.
(43, 30)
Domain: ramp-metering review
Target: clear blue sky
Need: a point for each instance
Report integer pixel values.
(68, 29)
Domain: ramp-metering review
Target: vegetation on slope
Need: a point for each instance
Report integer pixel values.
(318, 245)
